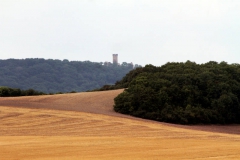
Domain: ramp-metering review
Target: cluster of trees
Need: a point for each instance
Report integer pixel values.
(51, 76)
(185, 93)
(14, 92)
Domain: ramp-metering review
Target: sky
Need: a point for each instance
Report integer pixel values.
(139, 31)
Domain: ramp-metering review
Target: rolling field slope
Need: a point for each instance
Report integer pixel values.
(84, 126)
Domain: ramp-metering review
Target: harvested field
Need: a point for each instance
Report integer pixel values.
(84, 126)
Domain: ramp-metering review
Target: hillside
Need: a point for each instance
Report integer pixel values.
(84, 126)
(90, 102)
(51, 76)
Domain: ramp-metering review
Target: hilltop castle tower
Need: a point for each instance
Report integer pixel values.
(115, 58)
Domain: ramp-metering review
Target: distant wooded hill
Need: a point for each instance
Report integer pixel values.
(51, 76)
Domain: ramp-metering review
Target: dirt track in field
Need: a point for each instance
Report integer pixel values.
(84, 126)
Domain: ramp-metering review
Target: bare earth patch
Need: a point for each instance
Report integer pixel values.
(84, 126)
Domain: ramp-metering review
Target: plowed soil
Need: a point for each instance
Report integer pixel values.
(84, 126)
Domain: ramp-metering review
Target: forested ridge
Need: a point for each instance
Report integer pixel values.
(51, 76)
(186, 93)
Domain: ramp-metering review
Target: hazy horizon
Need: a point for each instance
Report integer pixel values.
(139, 31)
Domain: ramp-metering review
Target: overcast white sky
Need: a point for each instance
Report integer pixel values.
(139, 31)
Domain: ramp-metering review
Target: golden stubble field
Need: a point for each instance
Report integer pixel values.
(84, 126)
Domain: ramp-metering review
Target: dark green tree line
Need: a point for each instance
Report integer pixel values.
(186, 93)
(15, 92)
